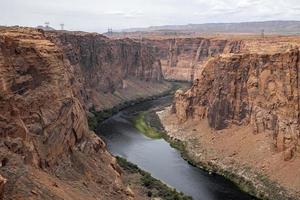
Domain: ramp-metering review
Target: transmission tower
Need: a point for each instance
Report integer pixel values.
(109, 31)
(263, 33)
(47, 24)
(62, 26)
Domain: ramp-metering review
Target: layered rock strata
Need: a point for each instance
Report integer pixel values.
(260, 90)
(106, 68)
(183, 58)
(47, 82)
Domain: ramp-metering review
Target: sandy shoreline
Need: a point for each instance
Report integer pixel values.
(244, 158)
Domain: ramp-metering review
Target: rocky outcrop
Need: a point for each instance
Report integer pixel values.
(183, 58)
(261, 90)
(109, 59)
(107, 66)
(47, 83)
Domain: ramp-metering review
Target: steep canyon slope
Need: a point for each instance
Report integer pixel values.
(48, 82)
(112, 70)
(182, 58)
(243, 110)
(261, 90)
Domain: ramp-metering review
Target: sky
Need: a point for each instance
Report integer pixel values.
(98, 15)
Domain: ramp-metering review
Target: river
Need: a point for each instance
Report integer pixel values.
(161, 160)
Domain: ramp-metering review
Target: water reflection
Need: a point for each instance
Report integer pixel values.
(162, 161)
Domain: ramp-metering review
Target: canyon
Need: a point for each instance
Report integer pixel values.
(184, 56)
(239, 118)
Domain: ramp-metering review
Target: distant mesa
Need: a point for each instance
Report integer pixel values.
(273, 27)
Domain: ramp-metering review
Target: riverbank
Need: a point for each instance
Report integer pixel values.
(140, 184)
(156, 156)
(140, 123)
(95, 117)
(213, 152)
(146, 186)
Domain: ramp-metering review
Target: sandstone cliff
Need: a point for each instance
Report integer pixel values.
(257, 89)
(183, 58)
(109, 69)
(47, 83)
(240, 119)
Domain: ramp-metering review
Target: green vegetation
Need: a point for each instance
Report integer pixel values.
(149, 124)
(140, 123)
(155, 187)
(99, 117)
(92, 122)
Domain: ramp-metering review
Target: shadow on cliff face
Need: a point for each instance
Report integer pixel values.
(218, 114)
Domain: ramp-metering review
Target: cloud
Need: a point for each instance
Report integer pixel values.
(97, 15)
(114, 13)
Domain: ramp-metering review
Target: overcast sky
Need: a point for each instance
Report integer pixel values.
(98, 15)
